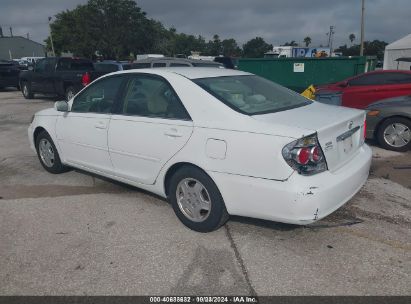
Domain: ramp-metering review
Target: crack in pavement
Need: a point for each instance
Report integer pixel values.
(239, 260)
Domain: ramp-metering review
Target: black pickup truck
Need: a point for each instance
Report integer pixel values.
(9, 74)
(60, 76)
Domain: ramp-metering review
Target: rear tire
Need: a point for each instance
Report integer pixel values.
(196, 200)
(395, 134)
(48, 155)
(26, 90)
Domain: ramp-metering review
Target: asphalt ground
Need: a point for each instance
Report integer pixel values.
(79, 234)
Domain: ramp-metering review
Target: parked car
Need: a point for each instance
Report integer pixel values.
(23, 64)
(214, 142)
(389, 122)
(362, 90)
(174, 62)
(60, 76)
(9, 74)
(109, 66)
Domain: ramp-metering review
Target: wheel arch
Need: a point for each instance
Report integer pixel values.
(38, 130)
(174, 168)
(379, 124)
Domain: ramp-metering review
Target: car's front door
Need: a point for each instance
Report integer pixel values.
(82, 132)
(39, 76)
(150, 126)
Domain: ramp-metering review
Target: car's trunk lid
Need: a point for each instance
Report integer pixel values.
(339, 129)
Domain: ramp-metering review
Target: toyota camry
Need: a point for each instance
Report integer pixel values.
(213, 142)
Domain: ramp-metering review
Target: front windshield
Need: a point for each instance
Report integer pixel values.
(251, 94)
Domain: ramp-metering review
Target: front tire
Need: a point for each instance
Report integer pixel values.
(48, 155)
(196, 200)
(26, 90)
(395, 134)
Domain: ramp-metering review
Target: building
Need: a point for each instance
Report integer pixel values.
(398, 49)
(14, 47)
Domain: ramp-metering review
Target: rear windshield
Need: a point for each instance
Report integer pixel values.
(69, 64)
(251, 94)
(105, 67)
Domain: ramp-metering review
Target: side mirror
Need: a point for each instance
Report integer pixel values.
(61, 106)
(343, 84)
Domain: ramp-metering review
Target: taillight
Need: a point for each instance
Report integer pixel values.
(365, 129)
(305, 155)
(85, 80)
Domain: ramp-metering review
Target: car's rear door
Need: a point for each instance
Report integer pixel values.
(363, 90)
(82, 132)
(396, 84)
(368, 88)
(150, 126)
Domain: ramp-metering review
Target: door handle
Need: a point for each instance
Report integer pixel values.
(100, 125)
(173, 133)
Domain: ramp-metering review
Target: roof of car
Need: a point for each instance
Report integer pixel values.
(180, 60)
(190, 72)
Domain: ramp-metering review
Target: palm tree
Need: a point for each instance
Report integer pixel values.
(307, 41)
(351, 37)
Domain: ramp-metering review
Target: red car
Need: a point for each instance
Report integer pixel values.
(361, 90)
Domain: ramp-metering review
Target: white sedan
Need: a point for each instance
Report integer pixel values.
(214, 142)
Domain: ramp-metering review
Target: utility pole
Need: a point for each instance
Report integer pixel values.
(51, 39)
(330, 38)
(362, 28)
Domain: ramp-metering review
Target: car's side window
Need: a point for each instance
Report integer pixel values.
(152, 97)
(398, 78)
(63, 64)
(40, 66)
(159, 64)
(177, 64)
(144, 65)
(50, 64)
(99, 97)
(371, 79)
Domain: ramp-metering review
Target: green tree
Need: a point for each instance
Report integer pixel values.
(352, 38)
(256, 48)
(114, 28)
(307, 41)
(185, 44)
(230, 48)
(371, 48)
(214, 47)
(291, 43)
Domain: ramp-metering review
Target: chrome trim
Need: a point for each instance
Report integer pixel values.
(347, 134)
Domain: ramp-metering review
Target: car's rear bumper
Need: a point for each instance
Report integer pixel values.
(297, 200)
(372, 122)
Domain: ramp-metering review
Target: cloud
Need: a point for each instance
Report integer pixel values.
(276, 21)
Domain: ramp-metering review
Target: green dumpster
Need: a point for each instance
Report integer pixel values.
(298, 73)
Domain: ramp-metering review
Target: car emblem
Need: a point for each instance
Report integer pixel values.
(350, 125)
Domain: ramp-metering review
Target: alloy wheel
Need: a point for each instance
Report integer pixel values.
(193, 199)
(46, 152)
(397, 135)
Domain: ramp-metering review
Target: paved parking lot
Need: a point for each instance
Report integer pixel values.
(77, 234)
